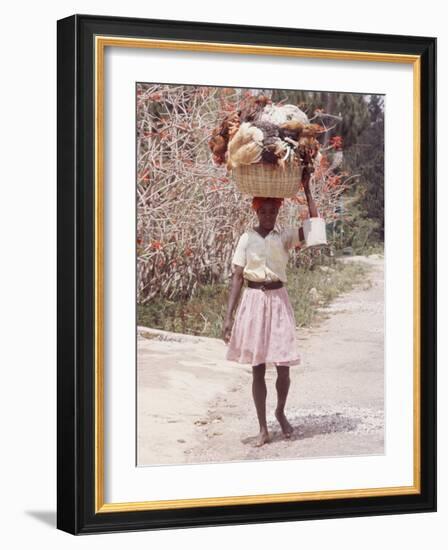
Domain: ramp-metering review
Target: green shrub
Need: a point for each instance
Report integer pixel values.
(203, 315)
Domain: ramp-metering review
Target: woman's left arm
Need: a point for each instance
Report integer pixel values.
(306, 176)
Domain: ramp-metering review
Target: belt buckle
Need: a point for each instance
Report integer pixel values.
(263, 288)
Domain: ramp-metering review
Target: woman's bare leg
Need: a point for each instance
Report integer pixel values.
(282, 386)
(259, 392)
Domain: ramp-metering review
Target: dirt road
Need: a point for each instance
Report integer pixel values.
(194, 406)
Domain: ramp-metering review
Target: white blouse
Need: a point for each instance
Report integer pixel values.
(265, 259)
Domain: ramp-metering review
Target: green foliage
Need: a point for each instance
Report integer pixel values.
(329, 283)
(352, 108)
(203, 315)
(179, 252)
(366, 157)
(361, 223)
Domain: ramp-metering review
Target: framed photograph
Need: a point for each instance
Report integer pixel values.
(246, 274)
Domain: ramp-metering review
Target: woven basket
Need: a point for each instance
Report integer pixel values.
(268, 180)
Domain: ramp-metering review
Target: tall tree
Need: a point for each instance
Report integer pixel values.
(367, 158)
(351, 108)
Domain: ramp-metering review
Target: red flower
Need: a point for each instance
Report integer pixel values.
(155, 96)
(334, 180)
(336, 142)
(144, 176)
(156, 245)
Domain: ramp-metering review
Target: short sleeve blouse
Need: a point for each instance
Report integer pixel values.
(265, 259)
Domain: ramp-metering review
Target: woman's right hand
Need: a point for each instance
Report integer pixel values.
(227, 330)
(237, 283)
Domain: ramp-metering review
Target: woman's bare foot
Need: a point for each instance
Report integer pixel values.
(286, 427)
(262, 438)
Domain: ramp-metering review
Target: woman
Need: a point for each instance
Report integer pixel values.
(264, 327)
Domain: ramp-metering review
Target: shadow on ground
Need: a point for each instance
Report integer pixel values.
(312, 425)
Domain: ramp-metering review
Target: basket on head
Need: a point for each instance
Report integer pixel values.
(268, 180)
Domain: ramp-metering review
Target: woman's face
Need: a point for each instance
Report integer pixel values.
(267, 214)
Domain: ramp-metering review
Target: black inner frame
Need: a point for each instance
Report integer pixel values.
(75, 271)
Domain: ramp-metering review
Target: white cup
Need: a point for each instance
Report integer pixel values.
(314, 230)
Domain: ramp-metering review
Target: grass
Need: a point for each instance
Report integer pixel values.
(375, 248)
(328, 284)
(203, 315)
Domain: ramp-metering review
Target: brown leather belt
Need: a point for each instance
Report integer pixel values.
(265, 285)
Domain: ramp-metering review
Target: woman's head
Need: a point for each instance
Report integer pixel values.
(267, 210)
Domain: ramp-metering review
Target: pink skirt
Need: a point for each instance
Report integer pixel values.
(264, 329)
